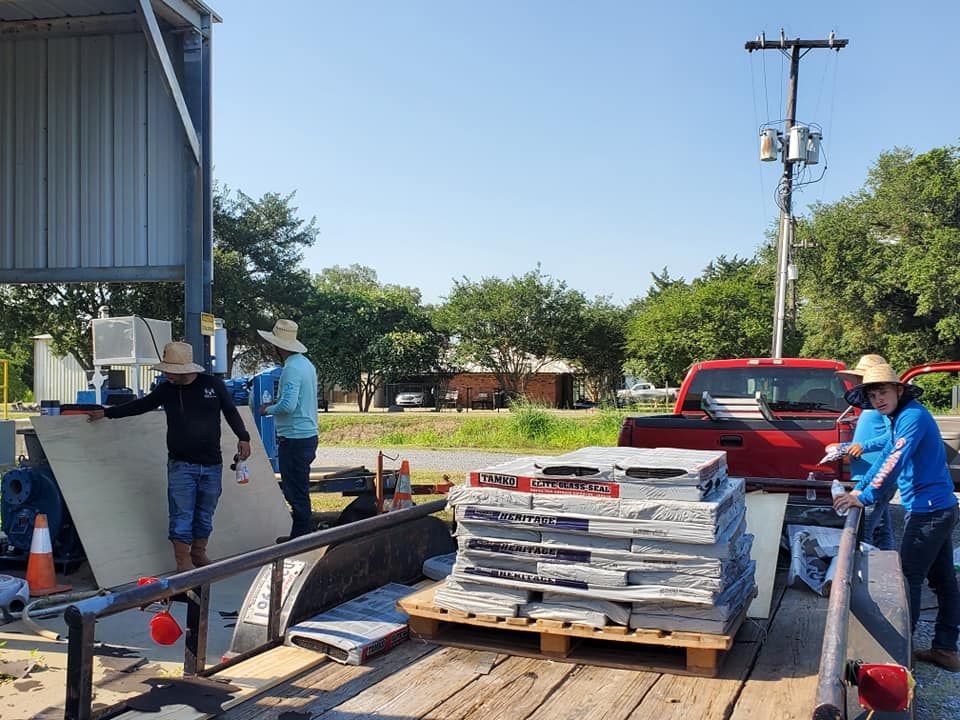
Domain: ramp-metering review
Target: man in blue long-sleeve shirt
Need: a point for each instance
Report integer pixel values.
(914, 461)
(296, 416)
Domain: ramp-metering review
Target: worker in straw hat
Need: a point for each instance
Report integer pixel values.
(193, 402)
(869, 437)
(913, 458)
(295, 411)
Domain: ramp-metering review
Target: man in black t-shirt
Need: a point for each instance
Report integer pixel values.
(192, 401)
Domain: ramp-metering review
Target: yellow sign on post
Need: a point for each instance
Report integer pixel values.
(207, 324)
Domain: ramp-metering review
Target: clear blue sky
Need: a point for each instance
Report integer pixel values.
(604, 140)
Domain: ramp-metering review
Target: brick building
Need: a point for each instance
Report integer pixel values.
(552, 386)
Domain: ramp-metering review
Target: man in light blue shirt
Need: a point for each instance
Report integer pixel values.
(295, 412)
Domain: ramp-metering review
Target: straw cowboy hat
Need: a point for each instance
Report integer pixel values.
(178, 360)
(284, 336)
(863, 364)
(881, 374)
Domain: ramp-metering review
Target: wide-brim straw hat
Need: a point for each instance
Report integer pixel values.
(881, 374)
(863, 364)
(178, 360)
(284, 336)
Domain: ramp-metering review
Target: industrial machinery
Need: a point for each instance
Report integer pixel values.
(30, 490)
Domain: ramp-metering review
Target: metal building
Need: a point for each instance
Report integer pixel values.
(105, 145)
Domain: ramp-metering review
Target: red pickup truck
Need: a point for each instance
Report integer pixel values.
(773, 417)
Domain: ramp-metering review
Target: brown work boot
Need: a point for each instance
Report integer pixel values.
(181, 551)
(947, 659)
(198, 552)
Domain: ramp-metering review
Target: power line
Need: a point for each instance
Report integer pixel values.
(756, 118)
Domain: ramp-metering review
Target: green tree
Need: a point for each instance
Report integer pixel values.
(600, 351)
(512, 327)
(726, 313)
(64, 311)
(258, 277)
(882, 273)
(362, 334)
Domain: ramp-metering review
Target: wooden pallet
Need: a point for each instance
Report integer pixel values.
(618, 646)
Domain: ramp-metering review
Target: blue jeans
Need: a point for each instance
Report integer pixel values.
(878, 526)
(192, 494)
(294, 456)
(927, 552)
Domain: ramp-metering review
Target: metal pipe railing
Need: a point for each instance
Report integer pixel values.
(194, 585)
(831, 703)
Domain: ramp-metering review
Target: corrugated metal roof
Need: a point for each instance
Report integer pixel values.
(14, 10)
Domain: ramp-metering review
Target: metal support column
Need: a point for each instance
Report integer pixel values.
(79, 664)
(206, 168)
(195, 646)
(193, 233)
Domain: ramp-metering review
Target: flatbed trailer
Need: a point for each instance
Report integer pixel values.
(789, 666)
(770, 672)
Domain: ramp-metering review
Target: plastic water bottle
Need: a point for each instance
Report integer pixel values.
(243, 472)
(836, 490)
(811, 492)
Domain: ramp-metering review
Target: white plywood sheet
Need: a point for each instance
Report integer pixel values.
(765, 521)
(113, 475)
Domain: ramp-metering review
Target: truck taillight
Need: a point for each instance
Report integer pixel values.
(626, 433)
(883, 687)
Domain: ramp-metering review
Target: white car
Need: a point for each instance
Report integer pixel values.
(645, 392)
(411, 399)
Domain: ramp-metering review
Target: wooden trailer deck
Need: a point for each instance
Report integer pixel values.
(770, 672)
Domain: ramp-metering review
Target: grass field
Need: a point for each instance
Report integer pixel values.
(525, 429)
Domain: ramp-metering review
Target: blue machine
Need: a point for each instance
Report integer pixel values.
(30, 490)
(239, 389)
(264, 389)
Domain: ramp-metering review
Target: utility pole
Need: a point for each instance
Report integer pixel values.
(797, 49)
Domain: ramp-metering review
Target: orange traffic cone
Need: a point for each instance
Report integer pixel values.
(403, 492)
(41, 575)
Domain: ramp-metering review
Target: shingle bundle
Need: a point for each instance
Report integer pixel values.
(651, 537)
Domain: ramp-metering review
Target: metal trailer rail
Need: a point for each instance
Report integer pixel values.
(831, 697)
(195, 584)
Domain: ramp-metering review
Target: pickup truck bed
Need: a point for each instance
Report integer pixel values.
(770, 672)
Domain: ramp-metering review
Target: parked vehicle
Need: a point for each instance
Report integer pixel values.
(416, 398)
(773, 417)
(779, 416)
(645, 392)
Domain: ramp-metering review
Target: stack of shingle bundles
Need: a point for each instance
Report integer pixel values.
(599, 529)
(466, 595)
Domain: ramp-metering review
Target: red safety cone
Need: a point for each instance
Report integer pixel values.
(403, 492)
(41, 574)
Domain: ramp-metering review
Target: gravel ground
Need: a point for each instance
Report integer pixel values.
(456, 461)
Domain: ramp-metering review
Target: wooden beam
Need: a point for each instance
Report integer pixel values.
(148, 20)
(788, 44)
